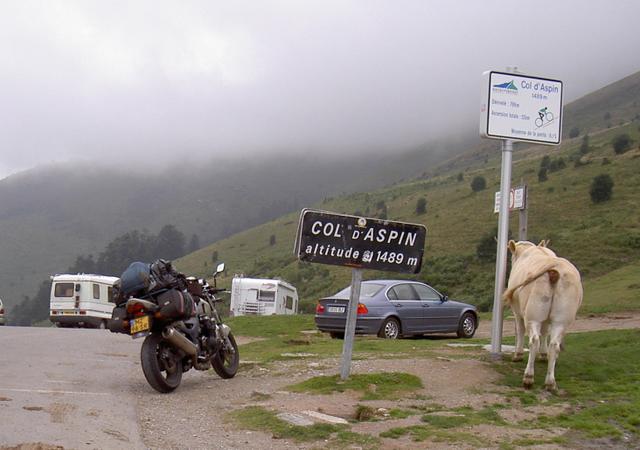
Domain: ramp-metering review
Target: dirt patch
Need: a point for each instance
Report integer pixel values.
(614, 321)
(33, 446)
(452, 378)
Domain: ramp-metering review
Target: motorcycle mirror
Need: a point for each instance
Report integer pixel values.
(219, 269)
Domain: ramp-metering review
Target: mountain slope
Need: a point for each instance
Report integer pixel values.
(603, 239)
(50, 215)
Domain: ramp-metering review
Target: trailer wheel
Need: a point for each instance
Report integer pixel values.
(102, 325)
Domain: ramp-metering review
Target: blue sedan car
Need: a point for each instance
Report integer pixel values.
(395, 308)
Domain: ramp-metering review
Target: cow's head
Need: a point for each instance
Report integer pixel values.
(517, 248)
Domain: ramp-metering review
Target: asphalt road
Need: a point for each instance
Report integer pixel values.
(73, 388)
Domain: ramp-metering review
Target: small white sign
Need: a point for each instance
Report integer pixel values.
(521, 108)
(517, 199)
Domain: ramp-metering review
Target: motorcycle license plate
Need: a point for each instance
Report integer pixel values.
(140, 325)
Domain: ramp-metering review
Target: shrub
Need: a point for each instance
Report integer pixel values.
(272, 240)
(605, 161)
(460, 176)
(584, 147)
(621, 143)
(575, 132)
(546, 161)
(542, 174)
(421, 205)
(607, 115)
(601, 188)
(478, 184)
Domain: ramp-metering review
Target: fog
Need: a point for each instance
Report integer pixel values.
(156, 80)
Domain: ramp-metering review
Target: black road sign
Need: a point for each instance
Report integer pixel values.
(360, 242)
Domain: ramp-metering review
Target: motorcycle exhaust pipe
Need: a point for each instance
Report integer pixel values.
(177, 339)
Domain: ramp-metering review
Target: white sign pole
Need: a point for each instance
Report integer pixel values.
(501, 255)
(350, 327)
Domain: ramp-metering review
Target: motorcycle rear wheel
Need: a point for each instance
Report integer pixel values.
(226, 363)
(161, 367)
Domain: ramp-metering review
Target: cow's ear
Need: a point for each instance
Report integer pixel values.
(512, 246)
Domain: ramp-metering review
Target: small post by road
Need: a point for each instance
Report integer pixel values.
(523, 215)
(350, 328)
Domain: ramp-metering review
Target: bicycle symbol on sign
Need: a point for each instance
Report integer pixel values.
(544, 117)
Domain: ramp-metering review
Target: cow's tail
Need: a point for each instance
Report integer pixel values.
(554, 275)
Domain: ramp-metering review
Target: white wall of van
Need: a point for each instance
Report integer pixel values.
(81, 300)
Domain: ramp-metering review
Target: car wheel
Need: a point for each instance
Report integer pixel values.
(390, 329)
(467, 326)
(336, 335)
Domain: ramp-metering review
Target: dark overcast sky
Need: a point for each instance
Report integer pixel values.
(120, 80)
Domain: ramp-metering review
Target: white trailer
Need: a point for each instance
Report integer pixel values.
(81, 300)
(262, 297)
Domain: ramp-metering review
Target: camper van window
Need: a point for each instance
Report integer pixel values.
(110, 294)
(289, 304)
(96, 291)
(267, 296)
(64, 290)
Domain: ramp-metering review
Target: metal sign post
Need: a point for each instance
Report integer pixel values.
(360, 243)
(501, 254)
(350, 328)
(515, 107)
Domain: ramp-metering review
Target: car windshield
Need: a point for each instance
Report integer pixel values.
(367, 290)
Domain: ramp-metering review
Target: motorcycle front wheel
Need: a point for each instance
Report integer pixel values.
(161, 366)
(225, 362)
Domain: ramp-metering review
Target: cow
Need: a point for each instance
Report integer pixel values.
(544, 293)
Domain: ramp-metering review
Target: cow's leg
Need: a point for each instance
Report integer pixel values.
(544, 340)
(533, 330)
(519, 350)
(556, 334)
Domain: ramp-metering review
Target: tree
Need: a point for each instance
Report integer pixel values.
(621, 143)
(194, 243)
(542, 175)
(601, 188)
(546, 162)
(584, 147)
(574, 132)
(478, 183)
(170, 243)
(421, 206)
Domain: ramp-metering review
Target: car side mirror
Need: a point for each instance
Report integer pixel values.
(444, 298)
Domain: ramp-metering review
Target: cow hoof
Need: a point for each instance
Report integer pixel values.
(551, 387)
(543, 356)
(516, 357)
(527, 382)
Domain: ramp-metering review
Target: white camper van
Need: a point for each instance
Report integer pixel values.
(81, 300)
(262, 297)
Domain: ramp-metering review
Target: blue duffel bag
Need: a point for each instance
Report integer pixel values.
(136, 279)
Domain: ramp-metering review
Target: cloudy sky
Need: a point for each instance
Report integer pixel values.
(120, 79)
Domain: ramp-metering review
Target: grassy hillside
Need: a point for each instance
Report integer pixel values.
(50, 215)
(602, 239)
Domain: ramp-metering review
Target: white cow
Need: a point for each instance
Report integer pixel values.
(544, 293)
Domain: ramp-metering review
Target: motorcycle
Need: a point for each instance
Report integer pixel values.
(172, 347)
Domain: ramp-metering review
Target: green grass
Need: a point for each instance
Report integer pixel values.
(618, 290)
(372, 386)
(283, 340)
(336, 436)
(261, 419)
(598, 375)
